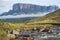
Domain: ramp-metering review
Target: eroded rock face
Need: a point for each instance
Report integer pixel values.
(33, 8)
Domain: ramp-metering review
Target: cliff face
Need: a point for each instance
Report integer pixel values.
(33, 8)
(20, 8)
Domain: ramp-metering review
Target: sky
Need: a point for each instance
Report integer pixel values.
(6, 5)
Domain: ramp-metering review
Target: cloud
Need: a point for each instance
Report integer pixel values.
(6, 5)
(8, 0)
(22, 15)
(5, 0)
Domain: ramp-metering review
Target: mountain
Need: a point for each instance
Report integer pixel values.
(53, 17)
(21, 8)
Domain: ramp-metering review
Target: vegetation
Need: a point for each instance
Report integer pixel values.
(47, 20)
(53, 17)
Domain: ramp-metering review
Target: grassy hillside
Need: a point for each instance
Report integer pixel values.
(53, 17)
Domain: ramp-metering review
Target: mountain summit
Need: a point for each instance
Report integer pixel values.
(20, 8)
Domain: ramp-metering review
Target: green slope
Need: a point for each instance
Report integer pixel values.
(53, 17)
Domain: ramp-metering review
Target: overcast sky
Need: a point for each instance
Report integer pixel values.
(6, 5)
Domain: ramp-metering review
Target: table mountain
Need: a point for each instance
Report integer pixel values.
(21, 8)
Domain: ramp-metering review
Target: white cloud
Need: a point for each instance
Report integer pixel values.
(5, 0)
(6, 5)
(23, 15)
(9, 0)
